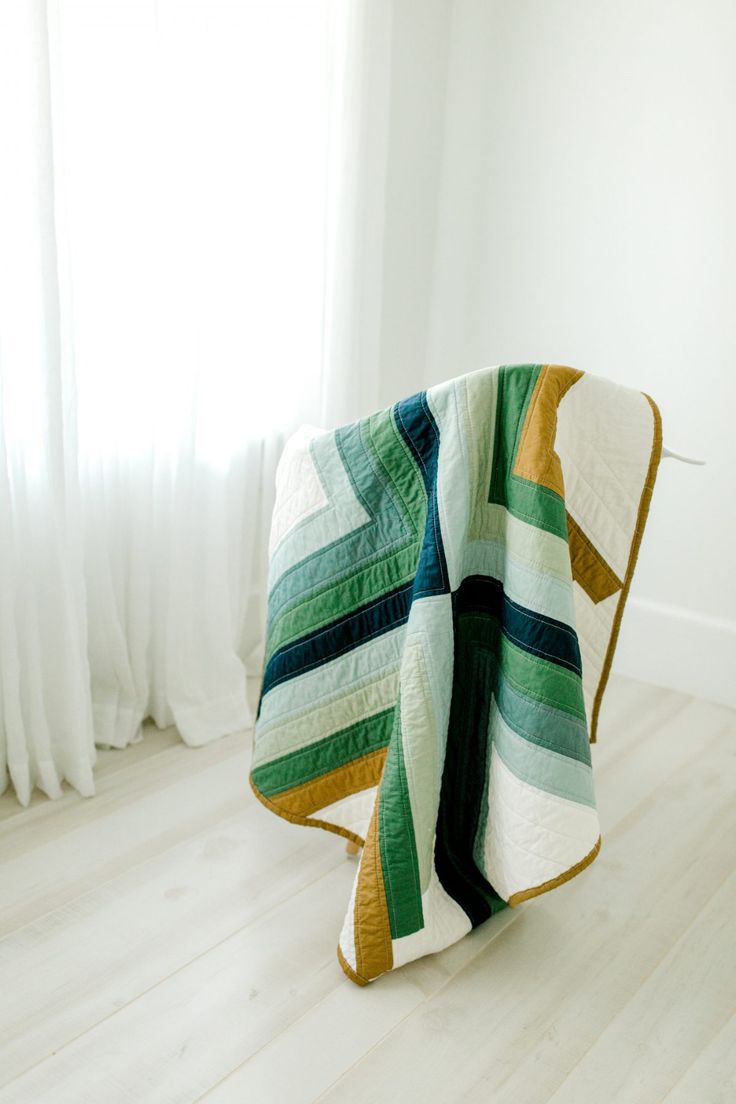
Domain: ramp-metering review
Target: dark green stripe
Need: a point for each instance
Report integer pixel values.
(532, 676)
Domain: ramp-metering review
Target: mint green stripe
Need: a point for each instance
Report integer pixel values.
(529, 586)
(540, 766)
(297, 696)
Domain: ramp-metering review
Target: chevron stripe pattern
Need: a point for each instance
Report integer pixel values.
(423, 687)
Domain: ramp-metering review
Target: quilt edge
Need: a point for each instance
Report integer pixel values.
(307, 821)
(641, 521)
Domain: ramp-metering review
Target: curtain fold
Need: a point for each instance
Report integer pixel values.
(46, 730)
(167, 251)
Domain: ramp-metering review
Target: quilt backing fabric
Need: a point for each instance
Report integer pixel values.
(446, 584)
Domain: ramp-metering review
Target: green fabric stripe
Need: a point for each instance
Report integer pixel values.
(368, 486)
(342, 514)
(330, 714)
(533, 676)
(325, 755)
(513, 395)
(524, 499)
(399, 472)
(542, 723)
(397, 843)
(370, 561)
(539, 766)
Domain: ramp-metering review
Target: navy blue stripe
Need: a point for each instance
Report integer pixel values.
(533, 632)
(341, 636)
(419, 430)
(463, 778)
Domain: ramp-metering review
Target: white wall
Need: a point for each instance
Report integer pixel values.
(583, 175)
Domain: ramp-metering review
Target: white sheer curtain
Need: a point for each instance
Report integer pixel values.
(166, 266)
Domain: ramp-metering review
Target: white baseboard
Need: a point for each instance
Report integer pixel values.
(674, 647)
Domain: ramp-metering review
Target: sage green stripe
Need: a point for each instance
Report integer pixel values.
(539, 766)
(325, 755)
(398, 472)
(345, 596)
(342, 515)
(359, 486)
(542, 723)
(328, 715)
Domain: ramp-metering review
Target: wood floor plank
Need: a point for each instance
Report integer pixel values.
(154, 741)
(513, 1024)
(711, 1078)
(83, 962)
(169, 941)
(181, 1037)
(297, 1065)
(639, 717)
(136, 814)
(671, 1018)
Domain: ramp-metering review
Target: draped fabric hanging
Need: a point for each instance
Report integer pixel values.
(167, 268)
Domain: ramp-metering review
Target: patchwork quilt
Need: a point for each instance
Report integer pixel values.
(447, 579)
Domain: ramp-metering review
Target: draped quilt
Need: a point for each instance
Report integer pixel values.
(446, 584)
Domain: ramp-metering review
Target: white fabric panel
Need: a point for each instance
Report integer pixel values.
(445, 922)
(299, 491)
(604, 429)
(453, 507)
(532, 836)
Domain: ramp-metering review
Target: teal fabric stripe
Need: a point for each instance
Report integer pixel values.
(342, 556)
(341, 515)
(542, 723)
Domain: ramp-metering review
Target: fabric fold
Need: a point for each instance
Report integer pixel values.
(447, 581)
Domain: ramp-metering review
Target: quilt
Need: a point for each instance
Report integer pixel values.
(447, 579)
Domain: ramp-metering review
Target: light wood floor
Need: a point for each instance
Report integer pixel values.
(171, 941)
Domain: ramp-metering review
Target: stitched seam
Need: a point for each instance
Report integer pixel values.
(336, 655)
